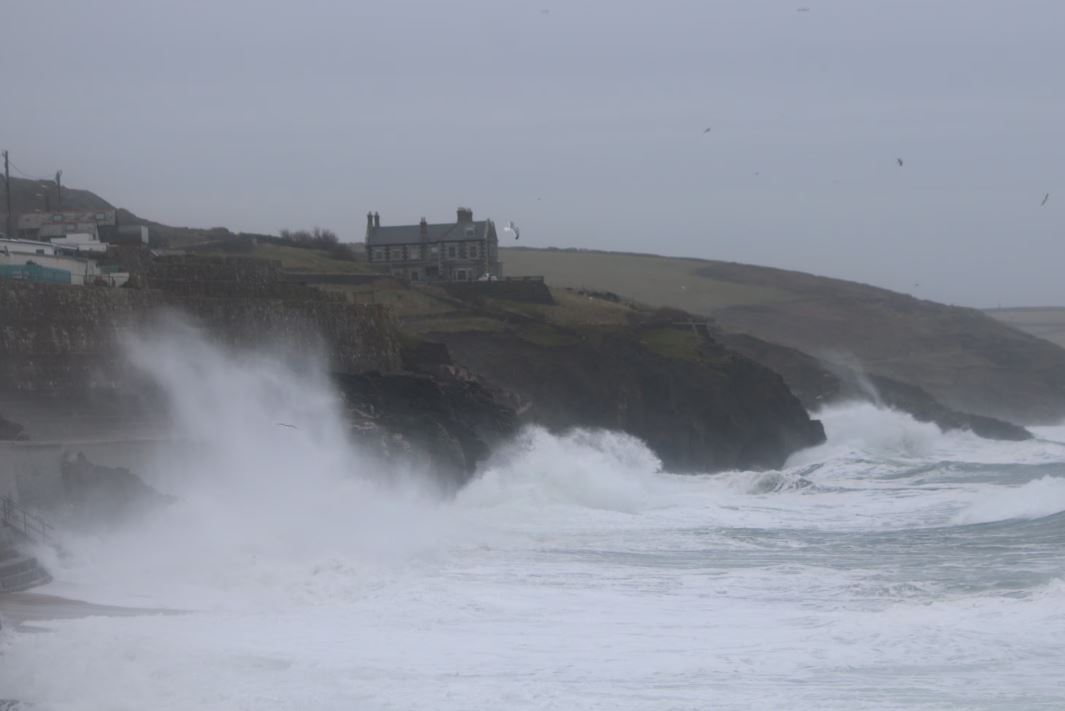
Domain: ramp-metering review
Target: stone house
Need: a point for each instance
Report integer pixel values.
(464, 250)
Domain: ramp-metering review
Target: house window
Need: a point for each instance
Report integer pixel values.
(474, 251)
(414, 252)
(395, 254)
(379, 254)
(462, 275)
(452, 253)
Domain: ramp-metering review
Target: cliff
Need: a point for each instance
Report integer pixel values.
(444, 419)
(708, 410)
(818, 384)
(501, 350)
(961, 357)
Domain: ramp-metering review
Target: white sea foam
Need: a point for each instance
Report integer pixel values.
(270, 494)
(1034, 499)
(592, 469)
(571, 573)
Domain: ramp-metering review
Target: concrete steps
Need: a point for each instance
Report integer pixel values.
(20, 572)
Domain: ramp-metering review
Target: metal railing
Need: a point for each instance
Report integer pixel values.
(21, 521)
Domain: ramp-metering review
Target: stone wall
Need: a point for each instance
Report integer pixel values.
(530, 290)
(227, 277)
(56, 338)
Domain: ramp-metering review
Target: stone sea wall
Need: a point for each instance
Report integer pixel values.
(58, 338)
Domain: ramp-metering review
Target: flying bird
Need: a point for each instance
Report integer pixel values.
(1045, 198)
(511, 227)
(285, 424)
(899, 160)
(802, 9)
(707, 130)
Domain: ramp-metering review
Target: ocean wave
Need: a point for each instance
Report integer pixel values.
(1035, 499)
(596, 469)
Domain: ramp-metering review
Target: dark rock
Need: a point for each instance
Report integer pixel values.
(447, 417)
(696, 417)
(925, 408)
(108, 492)
(818, 383)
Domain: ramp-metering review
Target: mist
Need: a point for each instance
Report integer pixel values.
(581, 121)
(270, 498)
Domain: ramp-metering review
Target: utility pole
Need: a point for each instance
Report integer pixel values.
(7, 193)
(58, 190)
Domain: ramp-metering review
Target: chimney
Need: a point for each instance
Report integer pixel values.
(423, 228)
(465, 215)
(377, 219)
(369, 221)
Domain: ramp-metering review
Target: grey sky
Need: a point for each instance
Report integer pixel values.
(582, 121)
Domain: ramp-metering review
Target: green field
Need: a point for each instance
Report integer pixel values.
(657, 281)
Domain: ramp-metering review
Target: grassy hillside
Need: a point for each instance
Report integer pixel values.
(37, 195)
(1044, 322)
(34, 195)
(964, 357)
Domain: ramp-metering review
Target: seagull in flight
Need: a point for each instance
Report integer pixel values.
(511, 227)
(707, 130)
(899, 160)
(802, 9)
(1045, 198)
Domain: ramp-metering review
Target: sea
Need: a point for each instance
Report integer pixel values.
(896, 566)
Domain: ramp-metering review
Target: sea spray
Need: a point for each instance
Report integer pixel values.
(269, 489)
(571, 573)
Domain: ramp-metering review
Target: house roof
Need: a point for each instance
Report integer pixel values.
(412, 234)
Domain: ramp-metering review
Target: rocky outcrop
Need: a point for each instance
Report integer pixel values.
(442, 416)
(817, 384)
(719, 411)
(10, 430)
(105, 493)
(961, 357)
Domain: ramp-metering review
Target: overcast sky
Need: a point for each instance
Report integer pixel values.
(583, 121)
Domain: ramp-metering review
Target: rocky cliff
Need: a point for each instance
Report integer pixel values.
(60, 359)
(700, 408)
(714, 410)
(961, 357)
(818, 384)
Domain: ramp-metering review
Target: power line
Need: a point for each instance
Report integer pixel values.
(7, 195)
(27, 175)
